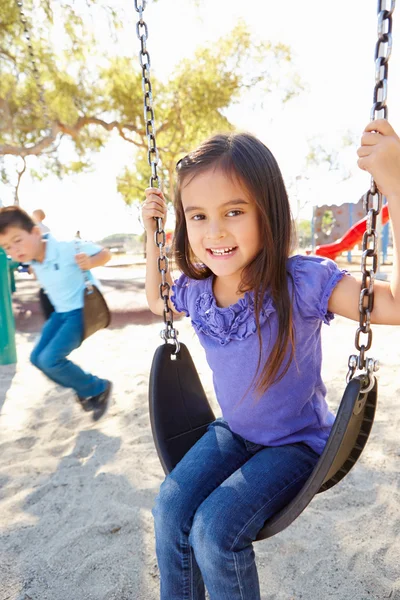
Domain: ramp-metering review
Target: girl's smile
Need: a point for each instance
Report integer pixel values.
(222, 253)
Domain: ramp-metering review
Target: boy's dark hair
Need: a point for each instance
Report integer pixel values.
(14, 216)
(244, 157)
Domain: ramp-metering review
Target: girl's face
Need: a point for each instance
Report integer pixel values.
(222, 222)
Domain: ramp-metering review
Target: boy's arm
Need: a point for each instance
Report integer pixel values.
(100, 259)
(86, 262)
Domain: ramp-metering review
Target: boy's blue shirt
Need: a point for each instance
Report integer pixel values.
(60, 276)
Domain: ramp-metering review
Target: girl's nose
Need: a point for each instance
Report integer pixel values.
(215, 231)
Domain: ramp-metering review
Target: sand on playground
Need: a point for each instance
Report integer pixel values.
(76, 496)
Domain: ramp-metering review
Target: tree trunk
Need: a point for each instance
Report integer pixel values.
(20, 173)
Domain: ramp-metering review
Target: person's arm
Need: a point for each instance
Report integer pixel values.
(154, 206)
(86, 262)
(379, 154)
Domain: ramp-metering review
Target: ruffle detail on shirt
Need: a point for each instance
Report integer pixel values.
(179, 294)
(236, 322)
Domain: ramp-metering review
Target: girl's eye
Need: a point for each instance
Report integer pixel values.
(234, 213)
(198, 217)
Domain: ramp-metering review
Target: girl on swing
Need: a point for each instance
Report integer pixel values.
(258, 313)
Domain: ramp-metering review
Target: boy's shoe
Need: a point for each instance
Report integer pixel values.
(97, 404)
(84, 402)
(100, 402)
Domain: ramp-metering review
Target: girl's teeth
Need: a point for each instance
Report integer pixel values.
(222, 251)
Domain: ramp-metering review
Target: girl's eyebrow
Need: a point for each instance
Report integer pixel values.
(235, 202)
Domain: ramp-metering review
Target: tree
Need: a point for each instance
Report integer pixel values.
(304, 233)
(86, 95)
(322, 154)
(73, 95)
(193, 104)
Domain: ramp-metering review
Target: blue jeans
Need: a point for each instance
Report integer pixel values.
(211, 507)
(61, 334)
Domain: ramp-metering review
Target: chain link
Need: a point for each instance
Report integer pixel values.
(35, 71)
(372, 202)
(169, 332)
(383, 50)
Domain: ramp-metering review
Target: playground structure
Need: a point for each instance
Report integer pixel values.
(336, 229)
(8, 354)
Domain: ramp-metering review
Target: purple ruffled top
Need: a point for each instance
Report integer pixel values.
(294, 409)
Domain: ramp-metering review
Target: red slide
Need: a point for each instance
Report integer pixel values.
(352, 237)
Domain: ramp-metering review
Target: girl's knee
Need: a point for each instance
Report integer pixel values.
(169, 508)
(208, 538)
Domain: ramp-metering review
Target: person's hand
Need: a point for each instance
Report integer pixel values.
(153, 206)
(380, 155)
(83, 261)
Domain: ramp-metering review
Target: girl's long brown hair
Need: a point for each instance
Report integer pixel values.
(246, 158)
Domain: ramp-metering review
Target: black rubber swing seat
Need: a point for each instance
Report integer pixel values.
(180, 414)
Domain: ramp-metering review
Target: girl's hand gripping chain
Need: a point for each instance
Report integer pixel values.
(153, 206)
(379, 154)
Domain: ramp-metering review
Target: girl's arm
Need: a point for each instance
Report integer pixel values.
(154, 206)
(379, 155)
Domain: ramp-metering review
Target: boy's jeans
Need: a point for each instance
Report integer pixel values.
(61, 334)
(211, 507)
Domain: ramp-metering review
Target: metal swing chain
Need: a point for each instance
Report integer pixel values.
(35, 71)
(372, 202)
(169, 333)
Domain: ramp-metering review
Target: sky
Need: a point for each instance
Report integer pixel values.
(332, 44)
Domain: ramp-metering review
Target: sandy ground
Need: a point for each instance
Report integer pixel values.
(76, 496)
